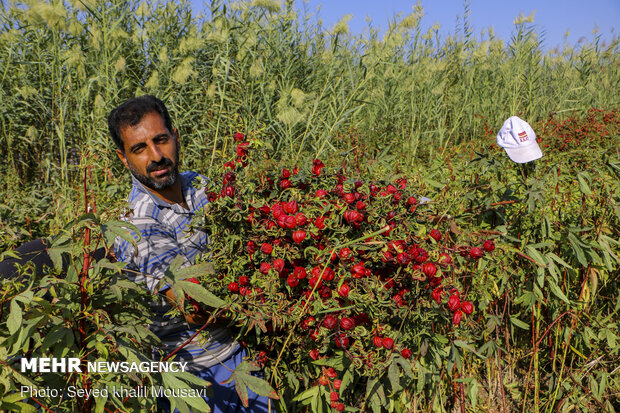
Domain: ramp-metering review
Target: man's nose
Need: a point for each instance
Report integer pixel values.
(155, 152)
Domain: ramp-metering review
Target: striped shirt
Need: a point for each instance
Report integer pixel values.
(165, 234)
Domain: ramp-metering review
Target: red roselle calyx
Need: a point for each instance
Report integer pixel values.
(454, 303)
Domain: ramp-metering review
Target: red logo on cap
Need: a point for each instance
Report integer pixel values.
(523, 136)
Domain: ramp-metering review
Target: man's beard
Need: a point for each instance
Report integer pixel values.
(152, 183)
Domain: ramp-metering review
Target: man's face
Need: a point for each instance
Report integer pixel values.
(151, 152)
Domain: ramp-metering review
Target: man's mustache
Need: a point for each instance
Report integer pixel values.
(158, 165)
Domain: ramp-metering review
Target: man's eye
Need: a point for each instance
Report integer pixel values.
(138, 149)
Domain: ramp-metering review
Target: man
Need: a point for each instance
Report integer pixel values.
(163, 202)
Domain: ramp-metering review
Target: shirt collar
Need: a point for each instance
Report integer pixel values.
(160, 202)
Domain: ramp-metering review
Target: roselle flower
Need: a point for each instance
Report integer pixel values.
(277, 210)
(266, 248)
(345, 253)
(456, 317)
(300, 219)
(360, 205)
(278, 264)
(419, 254)
(290, 207)
(342, 341)
(402, 258)
(251, 247)
(349, 198)
(328, 273)
(358, 270)
(406, 353)
(242, 149)
(211, 196)
(319, 222)
(238, 136)
(307, 323)
(436, 235)
(285, 174)
(229, 191)
(299, 236)
(344, 290)
(476, 253)
(437, 293)
(454, 303)
(331, 373)
(387, 256)
(285, 183)
(330, 322)
(377, 341)
(411, 201)
(467, 307)
(229, 177)
(314, 354)
(299, 272)
(488, 245)
(233, 287)
(444, 259)
(317, 165)
(434, 281)
(388, 343)
(347, 323)
(292, 281)
(264, 210)
(429, 269)
(314, 281)
(264, 268)
(320, 193)
(325, 292)
(244, 280)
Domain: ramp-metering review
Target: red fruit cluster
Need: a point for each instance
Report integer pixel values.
(338, 262)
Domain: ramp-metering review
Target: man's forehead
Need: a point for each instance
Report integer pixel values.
(151, 123)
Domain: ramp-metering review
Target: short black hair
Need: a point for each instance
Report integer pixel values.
(131, 112)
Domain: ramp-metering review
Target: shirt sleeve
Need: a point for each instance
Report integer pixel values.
(155, 250)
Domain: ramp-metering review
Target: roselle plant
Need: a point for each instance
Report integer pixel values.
(337, 285)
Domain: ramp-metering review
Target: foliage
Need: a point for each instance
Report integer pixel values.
(310, 91)
(329, 276)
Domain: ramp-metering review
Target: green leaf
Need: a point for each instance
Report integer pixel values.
(244, 379)
(514, 320)
(558, 292)
(201, 294)
(558, 260)
(576, 244)
(394, 376)
(583, 184)
(195, 271)
(14, 321)
(536, 255)
(179, 381)
(122, 229)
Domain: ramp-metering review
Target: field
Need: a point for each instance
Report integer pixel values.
(409, 108)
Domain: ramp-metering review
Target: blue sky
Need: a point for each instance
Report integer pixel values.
(553, 17)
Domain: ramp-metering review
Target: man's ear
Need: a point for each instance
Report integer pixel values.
(121, 156)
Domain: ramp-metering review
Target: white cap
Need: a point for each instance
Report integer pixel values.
(519, 140)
